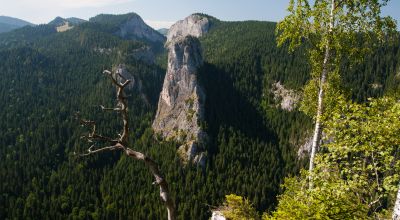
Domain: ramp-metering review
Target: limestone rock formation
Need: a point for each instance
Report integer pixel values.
(65, 27)
(286, 99)
(305, 149)
(126, 75)
(65, 24)
(136, 29)
(217, 215)
(181, 104)
(195, 25)
(129, 26)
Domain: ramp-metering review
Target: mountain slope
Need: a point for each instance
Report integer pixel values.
(35, 77)
(129, 26)
(48, 76)
(9, 23)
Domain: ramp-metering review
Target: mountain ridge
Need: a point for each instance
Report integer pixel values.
(10, 23)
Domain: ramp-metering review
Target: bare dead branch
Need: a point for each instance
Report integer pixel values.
(109, 148)
(159, 180)
(109, 109)
(121, 142)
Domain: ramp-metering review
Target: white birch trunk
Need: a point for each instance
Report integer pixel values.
(396, 210)
(318, 127)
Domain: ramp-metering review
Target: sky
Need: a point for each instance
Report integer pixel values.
(156, 13)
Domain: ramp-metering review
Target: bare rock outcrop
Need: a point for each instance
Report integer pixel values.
(305, 149)
(181, 104)
(195, 25)
(135, 28)
(286, 99)
(123, 75)
(217, 215)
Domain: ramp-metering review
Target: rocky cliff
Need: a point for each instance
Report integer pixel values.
(286, 99)
(129, 26)
(181, 104)
(195, 25)
(136, 29)
(124, 74)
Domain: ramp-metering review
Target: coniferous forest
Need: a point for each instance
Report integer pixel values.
(49, 76)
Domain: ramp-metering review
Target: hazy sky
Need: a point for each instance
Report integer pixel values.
(157, 13)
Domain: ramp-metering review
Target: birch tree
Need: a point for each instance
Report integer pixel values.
(356, 176)
(396, 210)
(333, 31)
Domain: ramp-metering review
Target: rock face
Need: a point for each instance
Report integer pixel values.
(65, 27)
(181, 104)
(305, 149)
(121, 70)
(135, 28)
(58, 21)
(65, 24)
(217, 215)
(195, 25)
(287, 99)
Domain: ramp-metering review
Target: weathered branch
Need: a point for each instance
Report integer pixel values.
(159, 180)
(121, 142)
(90, 151)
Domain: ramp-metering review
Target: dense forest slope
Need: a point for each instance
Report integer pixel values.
(46, 77)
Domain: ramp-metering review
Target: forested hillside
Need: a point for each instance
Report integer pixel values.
(46, 77)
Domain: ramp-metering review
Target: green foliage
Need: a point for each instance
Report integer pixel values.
(353, 21)
(357, 172)
(364, 147)
(335, 33)
(331, 198)
(333, 90)
(238, 208)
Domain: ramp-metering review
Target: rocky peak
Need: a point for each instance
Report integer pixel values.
(135, 28)
(58, 21)
(195, 25)
(65, 24)
(129, 26)
(181, 103)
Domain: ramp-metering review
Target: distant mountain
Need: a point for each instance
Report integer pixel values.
(64, 24)
(129, 26)
(61, 21)
(75, 21)
(9, 23)
(57, 21)
(163, 31)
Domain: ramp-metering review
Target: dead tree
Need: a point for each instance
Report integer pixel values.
(121, 142)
